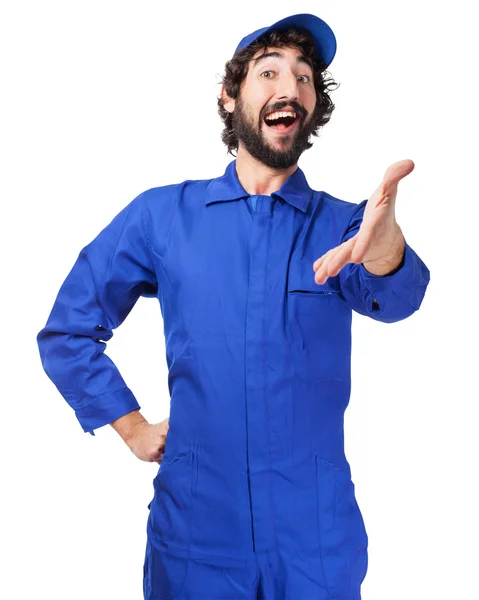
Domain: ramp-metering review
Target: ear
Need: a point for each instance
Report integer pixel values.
(228, 103)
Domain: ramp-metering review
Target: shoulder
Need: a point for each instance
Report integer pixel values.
(336, 214)
(165, 199)
(170, 193)
(336, 205)
(342, 211)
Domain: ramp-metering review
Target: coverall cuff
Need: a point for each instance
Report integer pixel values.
(408, 280)
(106, 408)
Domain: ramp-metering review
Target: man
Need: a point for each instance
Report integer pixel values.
(257, 276)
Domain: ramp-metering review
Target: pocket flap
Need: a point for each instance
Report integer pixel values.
(301, 280)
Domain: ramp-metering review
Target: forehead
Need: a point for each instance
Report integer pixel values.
(283, 50)
(282, 54)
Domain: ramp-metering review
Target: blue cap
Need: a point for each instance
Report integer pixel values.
(324, 38)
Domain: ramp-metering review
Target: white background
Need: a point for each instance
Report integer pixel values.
(102, 100)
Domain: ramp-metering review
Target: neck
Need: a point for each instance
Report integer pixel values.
(257, 178)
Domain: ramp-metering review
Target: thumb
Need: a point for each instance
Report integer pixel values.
(397, 171)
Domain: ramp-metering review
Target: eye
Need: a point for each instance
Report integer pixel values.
(306, 78)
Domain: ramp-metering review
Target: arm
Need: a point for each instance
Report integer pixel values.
(126, 425)
(108, 277)
(390, 297)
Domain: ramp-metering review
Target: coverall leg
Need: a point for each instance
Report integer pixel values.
(270, 576)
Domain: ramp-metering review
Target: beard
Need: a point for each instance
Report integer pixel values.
(256, 144)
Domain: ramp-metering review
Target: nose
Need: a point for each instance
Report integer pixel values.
(288, 87)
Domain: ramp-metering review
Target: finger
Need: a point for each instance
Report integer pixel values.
(362, 245)
(319, 261)
(322, 273)
(398, 171)
(341, 258)
(337, 258)
(159, 458)
(321, 270)
(385, 192)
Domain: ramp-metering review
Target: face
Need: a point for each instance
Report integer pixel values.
(282, 81)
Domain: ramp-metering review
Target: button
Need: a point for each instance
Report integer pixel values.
(100, 328)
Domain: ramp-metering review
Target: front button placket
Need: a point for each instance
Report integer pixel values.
(256, 392)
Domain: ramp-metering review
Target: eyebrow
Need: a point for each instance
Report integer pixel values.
(275, 54)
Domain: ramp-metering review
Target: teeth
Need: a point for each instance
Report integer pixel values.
(280, 114)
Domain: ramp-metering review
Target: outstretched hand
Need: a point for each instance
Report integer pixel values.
(379, 243)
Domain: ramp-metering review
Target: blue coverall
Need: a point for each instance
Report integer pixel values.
(254, 496)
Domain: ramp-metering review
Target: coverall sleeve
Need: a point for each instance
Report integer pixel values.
(386, 298)
(106, 280)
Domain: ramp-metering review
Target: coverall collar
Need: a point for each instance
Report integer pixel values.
(294, 190)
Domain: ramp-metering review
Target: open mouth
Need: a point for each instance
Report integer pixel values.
(281, 121)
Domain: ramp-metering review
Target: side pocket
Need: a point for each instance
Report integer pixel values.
(164, 574)
(170, 507)
(342, 534)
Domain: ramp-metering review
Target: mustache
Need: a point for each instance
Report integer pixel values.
(280, 105)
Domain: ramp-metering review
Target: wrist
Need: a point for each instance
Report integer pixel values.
(391, 261)
(128, 425)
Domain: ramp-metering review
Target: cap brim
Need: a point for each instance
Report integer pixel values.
(324, 38)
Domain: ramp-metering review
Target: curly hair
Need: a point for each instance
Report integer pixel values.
(236, 70)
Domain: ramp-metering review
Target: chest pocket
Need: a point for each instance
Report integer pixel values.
(301, 280)
(319, 324)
